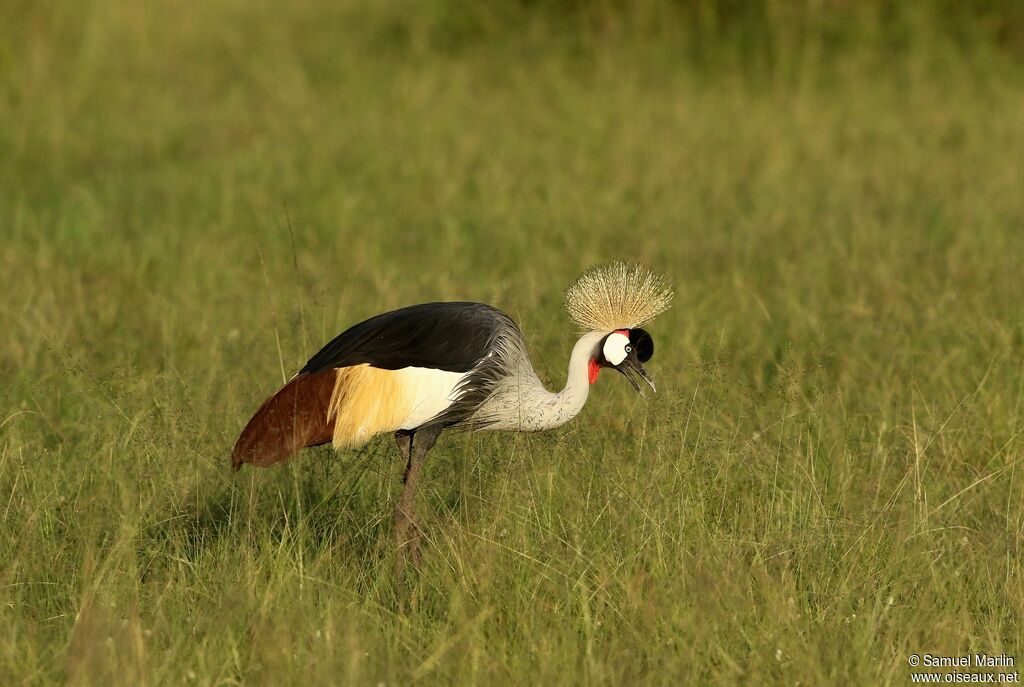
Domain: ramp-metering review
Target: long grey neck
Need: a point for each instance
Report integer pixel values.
(523, 404)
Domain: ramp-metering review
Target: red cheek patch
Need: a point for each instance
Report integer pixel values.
(593, 370)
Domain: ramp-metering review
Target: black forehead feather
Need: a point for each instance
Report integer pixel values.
(642, 343)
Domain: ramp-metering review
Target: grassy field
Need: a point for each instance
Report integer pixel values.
(195, 196)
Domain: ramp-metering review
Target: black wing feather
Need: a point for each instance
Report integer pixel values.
(443, 336)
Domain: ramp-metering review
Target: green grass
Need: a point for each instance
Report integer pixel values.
(826, 482)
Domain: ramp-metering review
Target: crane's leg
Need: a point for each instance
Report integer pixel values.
(414, 447)
(404, 441)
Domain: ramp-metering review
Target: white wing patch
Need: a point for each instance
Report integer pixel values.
(428, 391)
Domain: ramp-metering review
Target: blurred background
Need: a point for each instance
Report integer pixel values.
(195, 196)
(167, 158)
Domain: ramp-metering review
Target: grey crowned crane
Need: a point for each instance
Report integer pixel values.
(425, 368)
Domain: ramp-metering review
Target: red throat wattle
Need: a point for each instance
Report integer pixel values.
(593, 370)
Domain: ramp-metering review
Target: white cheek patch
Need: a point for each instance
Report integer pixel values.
(615, 348)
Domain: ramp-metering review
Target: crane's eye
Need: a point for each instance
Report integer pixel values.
(629, 349)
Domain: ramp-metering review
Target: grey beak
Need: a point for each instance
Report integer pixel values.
(643, 374)
(630, 367)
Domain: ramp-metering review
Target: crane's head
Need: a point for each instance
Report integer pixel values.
(617, 299)
(625, 350)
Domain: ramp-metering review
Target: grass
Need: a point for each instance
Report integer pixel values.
(194, 198)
